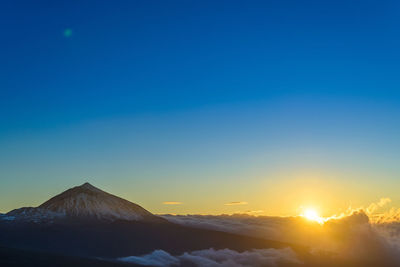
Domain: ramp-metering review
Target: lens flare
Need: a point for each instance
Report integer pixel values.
(67, 33)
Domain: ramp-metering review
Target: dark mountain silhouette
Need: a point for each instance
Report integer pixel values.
(11, 257)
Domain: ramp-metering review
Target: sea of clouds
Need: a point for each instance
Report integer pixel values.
(217, 258)
(360, 235)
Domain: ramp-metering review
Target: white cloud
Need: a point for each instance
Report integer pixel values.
(218, 258)
(156, 258)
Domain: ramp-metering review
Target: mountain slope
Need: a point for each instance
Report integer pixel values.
(84, 202)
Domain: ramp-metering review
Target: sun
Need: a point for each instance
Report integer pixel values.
(312, 215)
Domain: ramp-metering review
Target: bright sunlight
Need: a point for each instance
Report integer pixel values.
(312, 215)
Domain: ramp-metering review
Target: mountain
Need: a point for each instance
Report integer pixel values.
(87, 222)
(84, 202)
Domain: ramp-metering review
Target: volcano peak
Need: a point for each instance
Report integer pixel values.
(87, 201)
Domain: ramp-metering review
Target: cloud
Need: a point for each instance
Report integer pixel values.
(375, 206)
(352, 237)
(390, 216)
(234, 203)
(246, 224)
(218, 258)
(357, 236)
(172, 203)
(156, 258)
(251, 212)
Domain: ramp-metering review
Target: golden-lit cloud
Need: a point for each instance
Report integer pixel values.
(375, 206)
(350, 237)
(250, 212)
(172, 203)
(234, 203)
(358, 234)
(254, 212)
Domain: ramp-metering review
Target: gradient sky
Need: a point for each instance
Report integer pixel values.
(280, 104)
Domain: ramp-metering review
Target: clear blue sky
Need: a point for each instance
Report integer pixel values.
(202, 102)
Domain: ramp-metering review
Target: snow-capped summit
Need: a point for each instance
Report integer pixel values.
(85, 201)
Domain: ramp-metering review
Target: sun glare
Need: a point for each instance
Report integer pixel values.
(312, 215)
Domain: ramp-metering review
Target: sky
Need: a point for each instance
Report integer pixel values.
(263, 107)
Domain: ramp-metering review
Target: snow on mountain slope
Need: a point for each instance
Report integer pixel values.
(85, 201)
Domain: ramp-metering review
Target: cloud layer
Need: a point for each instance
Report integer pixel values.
(357, 236)
(217, 258)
